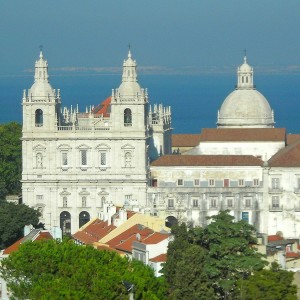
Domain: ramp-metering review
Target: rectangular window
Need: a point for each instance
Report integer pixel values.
(171, 203)
(179, 182)
(65, 202)
(247, 202)
(83, 202)
(255, 182)
(213, 202)
(275, 183)
(64, 158)
(195, 202)
(83, 157)
(39, 197)
(226, 182)
(229, 203)
(154, 182)
(275, 201)
(197, 182)
(241, 182)
(128, 199)
(211, 182)
(298, 183)
(102, 158)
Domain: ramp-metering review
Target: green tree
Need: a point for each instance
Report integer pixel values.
(184, 268)
(13, 219)
(274, 284)
(64, 270)
(10, 159)
(231, 254)
(223, 252)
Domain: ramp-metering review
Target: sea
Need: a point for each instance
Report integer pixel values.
(194, 99)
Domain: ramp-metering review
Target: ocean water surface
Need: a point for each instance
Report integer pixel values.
(194, 99)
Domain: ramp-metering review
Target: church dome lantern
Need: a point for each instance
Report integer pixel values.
(245, 107)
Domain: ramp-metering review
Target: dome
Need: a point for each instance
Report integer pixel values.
(41, 86)
(41, 89)
(245, 107)
(129, 86)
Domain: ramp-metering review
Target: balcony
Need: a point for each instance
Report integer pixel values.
(276, 208)
(275, 190)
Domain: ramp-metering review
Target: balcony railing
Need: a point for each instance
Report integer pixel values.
(275, 190)
(275, 208)
(83, 128)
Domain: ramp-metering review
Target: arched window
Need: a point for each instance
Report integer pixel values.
(39, 118)
(127, 117)
(65, 222)
(128, 160)
(84, 217)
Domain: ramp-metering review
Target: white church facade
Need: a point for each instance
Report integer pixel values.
(119, 153)
(76, 163)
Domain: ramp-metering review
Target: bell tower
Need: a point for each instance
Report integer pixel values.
(129, 102)
(41, 103)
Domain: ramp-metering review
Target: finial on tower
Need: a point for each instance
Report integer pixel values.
(245, 56)
(41, 51)
(129, 52)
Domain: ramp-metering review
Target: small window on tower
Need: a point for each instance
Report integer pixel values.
(127, 117)
(39, 118)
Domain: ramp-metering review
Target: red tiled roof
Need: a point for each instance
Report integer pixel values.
(287, 157)
(275, 237)
(185, 140)
(160, 258)
(292, 255)
(242, 134)
(155, 238)
(93, 232)
(103, 108)
(42, 235)
(292, 138)
(207, 160)
(126, 245)
(134, 233)
(107, 248)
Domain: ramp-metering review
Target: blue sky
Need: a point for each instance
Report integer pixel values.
(166, 36)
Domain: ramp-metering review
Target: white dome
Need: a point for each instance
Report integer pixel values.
(41, 89)
(129, 88)
(245, 108)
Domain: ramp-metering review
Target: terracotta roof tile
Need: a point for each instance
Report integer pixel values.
(207, 160)
(159, 258)
(242, 134)
(185, 140)
(275, 237)
(130, 235)
(155, 238)
(292, 255)
(287, 157)
(103, 108)
(292, 138)
(42, 235)
(93, 232)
